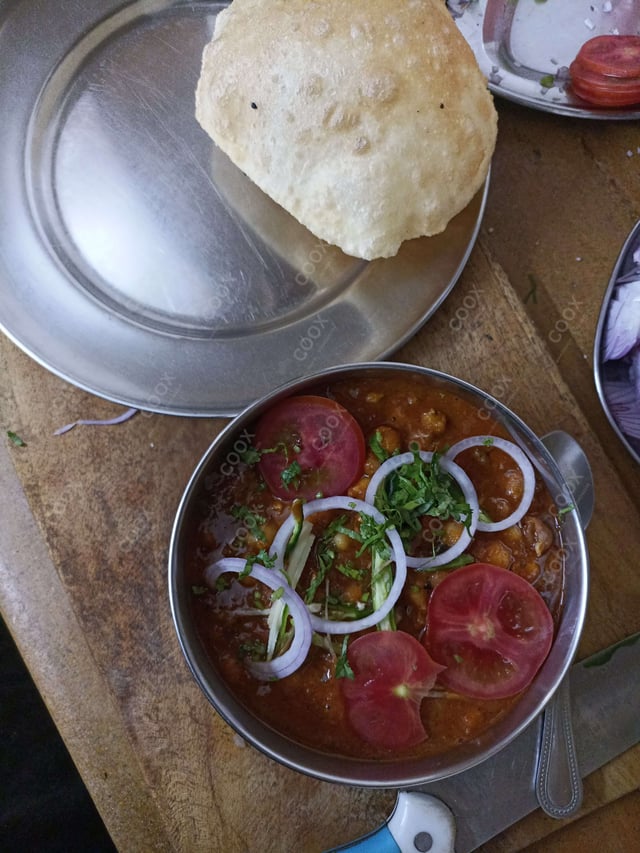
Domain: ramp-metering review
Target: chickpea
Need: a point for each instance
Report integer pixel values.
(529, 571)
(513, 484)
(451, 532)
(499, 554)
(512, 535)
(537, 534)
(358, 490)
(433, 422)
(342, 542)
(495, 552)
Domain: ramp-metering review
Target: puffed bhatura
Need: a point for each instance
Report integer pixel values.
(369, 121)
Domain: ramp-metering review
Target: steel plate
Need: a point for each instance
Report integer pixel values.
(524, 47)
(135, 260)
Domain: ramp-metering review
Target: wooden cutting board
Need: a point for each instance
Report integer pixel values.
(86, 520)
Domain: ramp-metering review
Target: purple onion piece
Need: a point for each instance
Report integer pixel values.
(622, 330)
(125, 416)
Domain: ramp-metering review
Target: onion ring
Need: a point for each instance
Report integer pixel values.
(523, 463)
(468, 491)
(296, 654)
(327, 626)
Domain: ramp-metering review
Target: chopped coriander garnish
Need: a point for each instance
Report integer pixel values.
(343, 669)
(244, 513)
(250, 456)
(458, 658)
(199, 590)
(565, 509)
(547, 81)
(261, 557)
(419, 489)
(14, 438)
(375, 443)
(373, 536)
(290, 475)
(251, 519)
(488, 441)
(349, 571)
(462, 560)
(256, 650)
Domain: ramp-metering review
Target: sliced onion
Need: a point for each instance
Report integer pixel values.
(518, 456)
(296, 654)
(120, 419)
(344, 502)
(468, 491)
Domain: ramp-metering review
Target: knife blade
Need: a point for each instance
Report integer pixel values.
(605, 710)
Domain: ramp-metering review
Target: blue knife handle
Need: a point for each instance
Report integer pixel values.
(378, 841)
(418, 822)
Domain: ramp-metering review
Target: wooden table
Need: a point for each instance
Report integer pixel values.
(86, 520)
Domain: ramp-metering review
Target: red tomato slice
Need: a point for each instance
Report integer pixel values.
(614, 56)
(315, 447)
(601, 90)
(490, 628)
(393, 673)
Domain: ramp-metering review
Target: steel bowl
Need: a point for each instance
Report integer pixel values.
(387, 773)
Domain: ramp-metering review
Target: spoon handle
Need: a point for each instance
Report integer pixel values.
(558, 781)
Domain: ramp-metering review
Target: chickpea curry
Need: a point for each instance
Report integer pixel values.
(377, 569)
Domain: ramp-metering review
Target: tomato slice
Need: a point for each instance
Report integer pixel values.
(603, 90)
(490, 628)
(310, 446)
(613, 56)
(393, 673)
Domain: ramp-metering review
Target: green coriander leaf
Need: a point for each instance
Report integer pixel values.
(291, 474)
(565, 510)
(462, 560)
(14, 438)
(261, 557)
(199, 590)
(256, 650)
(343, 669)
(250, 456)
(375, 443)
(251, 519)
(419, 489)
(547, 81)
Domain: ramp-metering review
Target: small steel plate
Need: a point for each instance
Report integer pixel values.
(616, 383)
(135, 260)
(524, 47)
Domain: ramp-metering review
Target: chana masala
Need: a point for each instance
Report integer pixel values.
(376, 570)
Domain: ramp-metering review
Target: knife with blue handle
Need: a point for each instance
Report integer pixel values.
(419, 823)
(449, 817)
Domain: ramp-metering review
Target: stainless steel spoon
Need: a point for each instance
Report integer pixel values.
(558, 781)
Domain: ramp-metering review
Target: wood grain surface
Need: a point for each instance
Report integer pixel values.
(86, 521)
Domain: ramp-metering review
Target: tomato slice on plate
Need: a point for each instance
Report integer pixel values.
(392, 674)
(309, 446)
(603, 90)
(613, 56)
(490, 628)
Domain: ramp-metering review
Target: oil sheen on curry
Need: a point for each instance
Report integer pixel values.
(377, 570)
